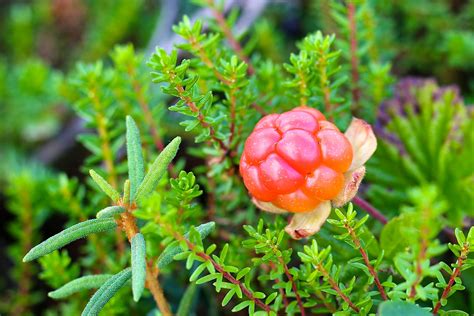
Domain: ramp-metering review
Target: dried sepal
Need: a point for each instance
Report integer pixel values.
(305, 224)
(352, 182)
(363, 141)
(269, 207)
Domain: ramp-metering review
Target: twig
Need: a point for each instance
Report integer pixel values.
(293, 285)
(200, 116)
(336, 287)
(128, 224)
(419, 259)
(220, 18)
(282, 292)
(225, 274)
(370, 209)
(365, 256)
(146, 111)
(354, 60)
(456, 274)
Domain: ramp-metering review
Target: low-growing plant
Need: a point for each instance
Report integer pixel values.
(170, 203)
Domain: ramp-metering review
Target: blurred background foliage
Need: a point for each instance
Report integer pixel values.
(60, 56)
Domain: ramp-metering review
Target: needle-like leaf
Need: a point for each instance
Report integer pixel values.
(69, 235)
(83, 283)
(106, 292)
(105, 186)
(134, 156)
(110, 211)
(158, 169)
(138, 266)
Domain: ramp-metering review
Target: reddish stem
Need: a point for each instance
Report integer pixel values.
(293, 285)
(226, 275)
(456, 273)
(370, 209)
(230, 37)
(365, 256)
(200, 117)
(336, 287)
(354, 60)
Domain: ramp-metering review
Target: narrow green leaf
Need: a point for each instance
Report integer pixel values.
(173, 249)
(105, 186)
(241, 306)
(110, 211)
(106, 292)
(185, 305)
(138, 266)
(228, 297)
(158, 168)
(136, 169)
(69, 235)
(126, 192)
(83, 283)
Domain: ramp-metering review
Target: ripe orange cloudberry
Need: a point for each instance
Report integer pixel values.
(299, 162)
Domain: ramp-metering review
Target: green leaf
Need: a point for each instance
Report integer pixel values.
(228, 297)
(158, 169)
(397, 308)
(69, 235)
(138, 266)
(173, 249)
(241, 306)
(401, 226)
(136, 169)
(455, 313)
(185, 305)
(83, 283)
(105, 186)
(110, 211)
(106, 292)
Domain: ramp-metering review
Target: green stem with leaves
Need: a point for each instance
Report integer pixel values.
(456, 273)
(128, 223)
(365, 256)
(336, 287)
(221, 21)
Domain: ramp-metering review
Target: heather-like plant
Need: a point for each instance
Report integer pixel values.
(172, 226)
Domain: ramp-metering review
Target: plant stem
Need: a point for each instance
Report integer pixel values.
(129, 225)
(354, 60)
(321, 296)
(293, 285)
(370, 209)
(200, 116)
(219, 16)
(365, 256)
(456, 273)
(108, 156)
(419, 260)
(336, 287)
(147, 113)
(224, 273)
(282, 292)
